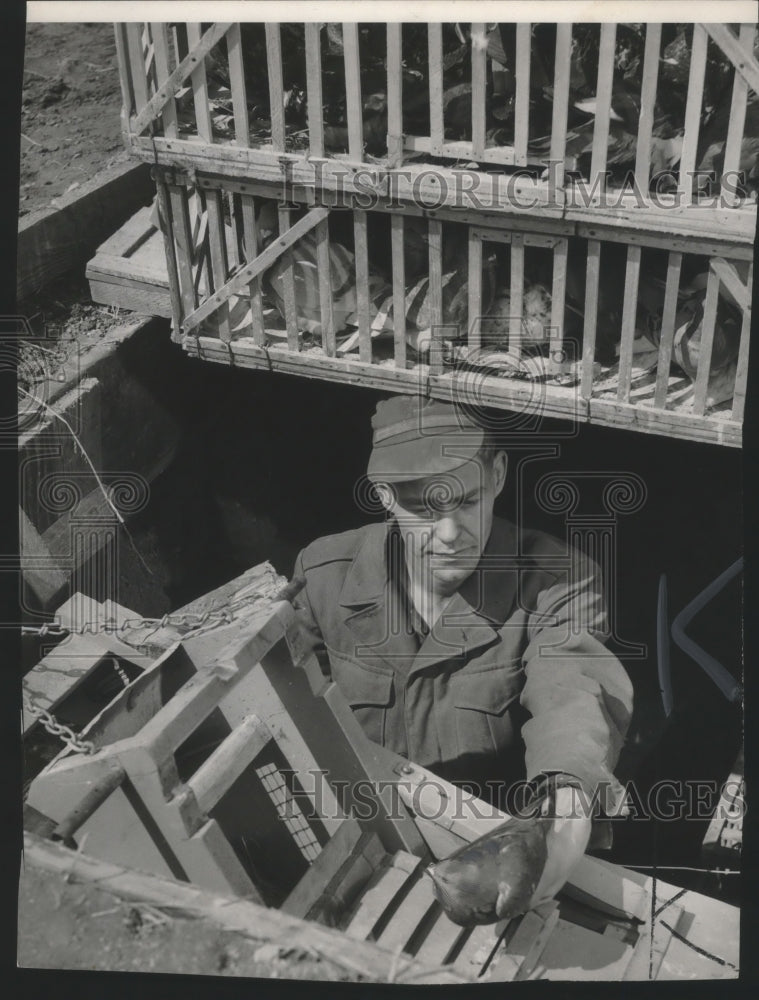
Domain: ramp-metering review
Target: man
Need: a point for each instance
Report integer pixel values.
(471, 647)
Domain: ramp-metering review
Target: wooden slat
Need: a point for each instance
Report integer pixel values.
(399, 289)
(734, 287)
(558, 299)
(361, 246)
(590, 323)
(603, 106)
(629, 311)
(218, 251)
(190, 63)
(237, 85)
(693, 113)
(522, 95)
(180, 224)
(394, 95)
(125, 72)
(167, 229)
(443, 936)
(740, 55)
(314, 88)
(479, 80)
(475, 950)
(737, 119)
(708, 324)
(383, 888)
(163, 70)
(409, 915)
(526, 945)
(516, 311)
(560, 108)
(741, 371)
(137, 68)
(276, 89)
(667, 335)
(333, 856)
(435, 245)
(325, 288)
(647, 104)
(474, 293)
(353, 106)
(288, 277)
(289, 236)
(218, 773)
(200, 87)
(435, 58)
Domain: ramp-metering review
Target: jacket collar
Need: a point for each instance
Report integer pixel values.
(470, 621)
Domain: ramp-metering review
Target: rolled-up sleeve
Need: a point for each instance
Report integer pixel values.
(577, 693)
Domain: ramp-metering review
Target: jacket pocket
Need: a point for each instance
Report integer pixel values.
(369, 693)
(482, 701)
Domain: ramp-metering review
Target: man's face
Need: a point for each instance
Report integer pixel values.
(445, 521)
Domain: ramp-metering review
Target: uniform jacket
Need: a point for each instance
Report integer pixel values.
(512, 681)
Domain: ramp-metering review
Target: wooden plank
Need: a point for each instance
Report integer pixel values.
(708, 325)
(459, 149)
(739, 54)
(647, 104)
(590, 322)
(479, 83)
(160, 34)
(394, 95)
(311, 886)
(276, 89)
(289, 235)
(741, 371)
(558, 299)
(516, 311)
(601, 120)
(237, 915)
(474, 293)
(252, 246)
(219, 261)
(693, 113)
(475, 950)
(353, 105)
(526, 945)
(361, 248)
(53, 241)
(629, 312)
(192, 63)
(39, 569)
(342, 891)
(647, 958)
(314, 88)
(435, 287)
(737, 120)
(415, 906)
(382, 890)
(288, 275)
(399, 289)
(573, 952)
(325, 288)
(667, 334)
(522, 94)
(441, 940)
(734, 287)
(217, 774)
(137, 69)
(237, 85)
(175, 292)
(560, 110)
(435, 60)
(183, 247)
(125, 74)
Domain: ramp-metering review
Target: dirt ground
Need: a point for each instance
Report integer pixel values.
(70, 925)
(71, 103)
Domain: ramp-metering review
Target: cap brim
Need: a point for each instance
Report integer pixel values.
(420, 458)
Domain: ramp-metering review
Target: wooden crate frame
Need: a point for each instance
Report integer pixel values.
(564, 389)
(156, 60)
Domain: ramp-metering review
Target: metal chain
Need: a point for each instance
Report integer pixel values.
(48, 722)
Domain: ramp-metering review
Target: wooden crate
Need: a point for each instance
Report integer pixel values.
(231, 763)
(215, 163)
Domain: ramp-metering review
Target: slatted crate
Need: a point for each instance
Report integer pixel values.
(679, 261)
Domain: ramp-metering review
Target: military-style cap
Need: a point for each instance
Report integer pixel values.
(415, 437)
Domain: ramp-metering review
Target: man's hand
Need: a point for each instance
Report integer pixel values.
(566, 840)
